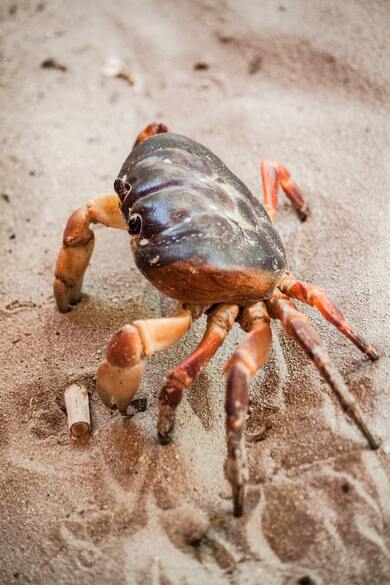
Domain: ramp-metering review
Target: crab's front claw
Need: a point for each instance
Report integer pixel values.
(66, 294)
(120, 374)
(73, 258)
(71, 264)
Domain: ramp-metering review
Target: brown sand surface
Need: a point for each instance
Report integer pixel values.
(304, 82)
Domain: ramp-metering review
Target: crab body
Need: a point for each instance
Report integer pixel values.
(200, 236)
(203, 237)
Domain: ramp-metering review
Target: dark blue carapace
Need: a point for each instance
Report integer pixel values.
(199, 234)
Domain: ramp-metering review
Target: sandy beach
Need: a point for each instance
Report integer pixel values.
(306, 83)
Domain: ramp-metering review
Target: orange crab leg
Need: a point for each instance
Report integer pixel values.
(220, 321)
(318, 298)
(298, 327)
(151, 130)
(250, 355)
(273, 176)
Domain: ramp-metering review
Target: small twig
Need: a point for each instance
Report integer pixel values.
(77, 408)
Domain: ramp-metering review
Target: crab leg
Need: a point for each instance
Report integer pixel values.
(250, 355)
(220, 321)
(297, 326)
(151, 130)
(273, 176)
(120, 374)
(318, 298)
(77, 246)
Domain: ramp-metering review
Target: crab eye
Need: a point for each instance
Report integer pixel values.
(135, 224)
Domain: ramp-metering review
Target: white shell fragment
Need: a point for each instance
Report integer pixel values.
(116, 67)
(113, 66)
(77, 408)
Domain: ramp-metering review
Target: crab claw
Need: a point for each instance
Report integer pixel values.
(120, 374)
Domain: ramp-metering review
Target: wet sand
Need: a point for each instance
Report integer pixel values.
(305, 83)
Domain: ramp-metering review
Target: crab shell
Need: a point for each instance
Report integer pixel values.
(204, 237)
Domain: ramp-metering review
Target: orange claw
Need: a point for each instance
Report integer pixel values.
(120, 374)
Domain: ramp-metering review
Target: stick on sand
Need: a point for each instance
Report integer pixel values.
(77, 408)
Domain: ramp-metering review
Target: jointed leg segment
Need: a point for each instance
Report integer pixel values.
(274, 175)
(250, 355)
(120, 374)
(77, 246)
(220, 320)
(297, 326)
(316, 297)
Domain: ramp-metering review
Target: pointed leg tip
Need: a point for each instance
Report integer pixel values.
(165, 423)
(372, 438)
(164, 438)
(373, 354)
(238, 501)
(304, 214)
(375, 442)
(238, 511)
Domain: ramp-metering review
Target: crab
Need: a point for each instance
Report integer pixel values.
(201, 237)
